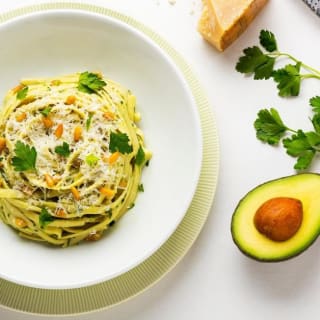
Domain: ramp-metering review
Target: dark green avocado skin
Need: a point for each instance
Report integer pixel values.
(293, 253)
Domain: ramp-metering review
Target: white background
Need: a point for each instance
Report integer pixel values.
(214, 280)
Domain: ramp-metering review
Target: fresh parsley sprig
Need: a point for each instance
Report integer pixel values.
(45, 112)
(120, 142)
(260, 62)
(63, 150)
(22, 93)
(140, 157)
(90, 82)
(25, 157)
(45, 218)
(269, 126)
(299, 144)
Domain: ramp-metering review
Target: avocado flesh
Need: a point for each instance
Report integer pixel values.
(306, 188)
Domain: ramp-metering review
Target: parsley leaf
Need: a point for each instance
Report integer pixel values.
(25, 158)
(45, 112)
(45, 218)
(140, 187)
(268, 40)
(288, 79)
(315, 104)
(90, 82)
(301, 145)
(22, 93)
(63, 150)
(256, 62)
(119, 142)
(140, 157)
(269, 126)
(316, 122)
(91, 159)
(261, 63)
(304, 160)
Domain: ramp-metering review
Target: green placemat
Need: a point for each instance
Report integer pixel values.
(135, 281)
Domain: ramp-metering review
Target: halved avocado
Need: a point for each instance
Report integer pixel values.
(304, 187)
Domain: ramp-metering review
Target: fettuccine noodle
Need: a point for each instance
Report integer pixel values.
(71, 157)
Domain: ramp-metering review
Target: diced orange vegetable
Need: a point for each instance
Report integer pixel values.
(18, 88)
(2, 143)
(49, 180)
(114, 157)
(60, 213)
(20, 222)
(70, 100)
(27, 100)
(47, 122)
(20, 117)
(109, 193)
(59, 131)
(76, 193)
(77, 134)
(109, 115)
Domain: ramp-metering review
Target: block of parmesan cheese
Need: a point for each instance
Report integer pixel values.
(223, 21)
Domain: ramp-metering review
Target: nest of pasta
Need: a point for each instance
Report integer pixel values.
(71, 157)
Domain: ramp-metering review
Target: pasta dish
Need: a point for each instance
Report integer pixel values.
(71, 157)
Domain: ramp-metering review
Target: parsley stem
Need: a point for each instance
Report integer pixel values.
(310, 75)
(305, 66)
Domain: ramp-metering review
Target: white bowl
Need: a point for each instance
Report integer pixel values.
(64, 41)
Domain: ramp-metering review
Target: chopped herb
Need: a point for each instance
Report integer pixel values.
(90, 82)
(140, 157)
(109, 213)
(63, 150)
(261, 64)
(45, 112)
(89, 120)
(140, 187)
(91, 159)
(45, 218)
(119, 142)
(25, 157)
(22, 93)
(131, 206)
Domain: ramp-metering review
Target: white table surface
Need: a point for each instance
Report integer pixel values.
(214, 280)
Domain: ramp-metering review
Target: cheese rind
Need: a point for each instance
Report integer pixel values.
(222, 22)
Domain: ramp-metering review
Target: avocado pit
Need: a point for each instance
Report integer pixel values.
(279, 218)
